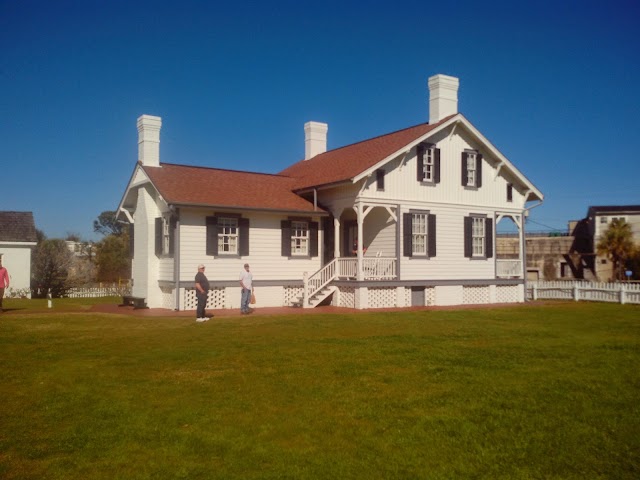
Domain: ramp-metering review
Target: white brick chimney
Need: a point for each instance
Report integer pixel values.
(443, 97)
(149, 140)
(315, 139)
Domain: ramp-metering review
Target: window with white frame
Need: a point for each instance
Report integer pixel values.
(227, 235)
(429, 164)
(471, 169)
(299, 238)
(166, 234)
(603, 219)
(478, 236)
(419, 234)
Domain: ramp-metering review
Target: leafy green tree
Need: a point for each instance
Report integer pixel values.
(617, 244)
(633, 263)
(106, 224)
(112, 258)
(50, 267)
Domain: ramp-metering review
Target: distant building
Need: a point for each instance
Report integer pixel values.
(546, 254)
(17, 239)
(572, 254)
(596, 223)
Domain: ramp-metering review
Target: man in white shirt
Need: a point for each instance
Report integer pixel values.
(246, 281)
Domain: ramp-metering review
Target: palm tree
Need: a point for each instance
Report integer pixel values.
(617, 244)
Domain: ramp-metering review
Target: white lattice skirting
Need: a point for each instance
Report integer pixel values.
(430, 296)
(215, 300)
(507, 293)
(168, 298)
(292, 295)
(475, 294)
(382, 297)
(347, 297)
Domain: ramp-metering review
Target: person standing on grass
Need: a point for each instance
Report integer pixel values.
(202, 292)
(4, 282)
(246, 282)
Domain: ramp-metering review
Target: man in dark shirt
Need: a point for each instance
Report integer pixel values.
(202, 291)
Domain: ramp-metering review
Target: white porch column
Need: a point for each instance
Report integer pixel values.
(336, 236)
(360, 239)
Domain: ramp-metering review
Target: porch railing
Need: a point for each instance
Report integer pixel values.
(508, 268)
(373, 268)
(318, 280)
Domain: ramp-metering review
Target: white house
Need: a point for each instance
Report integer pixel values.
(17, 239)
(424, 201)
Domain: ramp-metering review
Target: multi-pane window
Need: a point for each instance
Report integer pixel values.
(428, 166)
(166, 234)
(419, 234)
(471, 170)
(299, 238)
(227, 235)
(478, 236)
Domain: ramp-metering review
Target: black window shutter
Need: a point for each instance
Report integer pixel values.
(380, 179)
(212, 236)
(285, 227)
(407, 220)
(420, 162)
(131, 239)
(431, 235)
(478, 170)
(313, 239)
(468, 239)
(243, 227)
(436, 165)
(464, 169)
(159, 236)
(172, 235)
(488, 236)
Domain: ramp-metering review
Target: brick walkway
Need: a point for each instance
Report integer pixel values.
(225, 313)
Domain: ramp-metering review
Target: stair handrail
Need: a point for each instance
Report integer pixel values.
(320, 279)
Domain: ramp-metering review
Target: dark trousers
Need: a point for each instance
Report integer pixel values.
(202, 303)
(1, 297)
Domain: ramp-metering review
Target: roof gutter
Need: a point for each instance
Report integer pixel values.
(316, 211)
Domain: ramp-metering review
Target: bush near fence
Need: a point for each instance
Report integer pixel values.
(618, 292)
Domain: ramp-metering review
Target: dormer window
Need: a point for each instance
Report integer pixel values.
(471, 169)
(428, 163)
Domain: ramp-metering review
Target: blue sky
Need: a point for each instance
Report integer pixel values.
(553, 85)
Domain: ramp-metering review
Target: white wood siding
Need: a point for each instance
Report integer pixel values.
(265, 257)
(17, 260)
(401, 182)
(380, 233)
(449, 262)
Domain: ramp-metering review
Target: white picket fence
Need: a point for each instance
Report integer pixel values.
(102, 290)
(584, 291)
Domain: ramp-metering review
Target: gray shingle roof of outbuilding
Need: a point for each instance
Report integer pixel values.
(17, 227)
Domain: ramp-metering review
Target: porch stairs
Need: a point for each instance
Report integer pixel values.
(317, 286)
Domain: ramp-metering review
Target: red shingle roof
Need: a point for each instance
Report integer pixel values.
(347, 162)
(202, 186)
(187, 185)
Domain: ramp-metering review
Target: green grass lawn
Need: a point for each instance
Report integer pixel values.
(529, 392)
